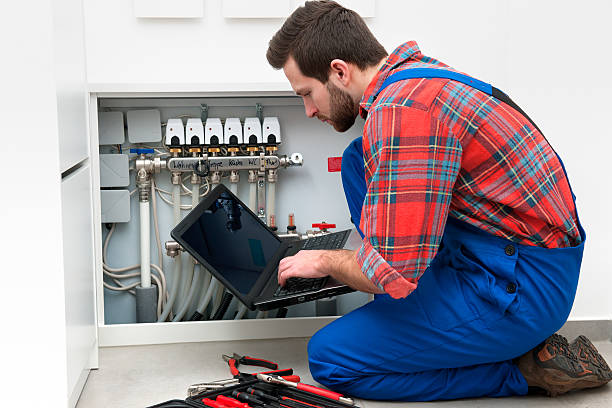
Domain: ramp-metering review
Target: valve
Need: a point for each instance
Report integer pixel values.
(323, 226)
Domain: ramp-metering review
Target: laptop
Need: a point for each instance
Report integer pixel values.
(227, 238)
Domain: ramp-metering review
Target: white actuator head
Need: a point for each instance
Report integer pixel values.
(233, 131)
(194, 132)
(252, 131)
(271, 130)
(175, 132)
(213, 132)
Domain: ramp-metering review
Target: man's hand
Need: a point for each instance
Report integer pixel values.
(304, 264)
(338, 263)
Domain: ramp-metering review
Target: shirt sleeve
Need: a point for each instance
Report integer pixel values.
(411, 164)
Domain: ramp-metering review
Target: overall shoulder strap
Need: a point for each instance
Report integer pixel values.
(411, 73)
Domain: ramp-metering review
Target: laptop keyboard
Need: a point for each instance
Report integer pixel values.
(299, 285)
(327, 241)
(334, 240)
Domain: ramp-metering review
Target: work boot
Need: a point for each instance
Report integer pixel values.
(557, 367)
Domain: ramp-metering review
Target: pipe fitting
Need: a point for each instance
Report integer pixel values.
(175, 177)
(195, 179)
(173, 248)
(272, 176)
(215, 178)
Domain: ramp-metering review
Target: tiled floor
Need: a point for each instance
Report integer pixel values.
(145, 375)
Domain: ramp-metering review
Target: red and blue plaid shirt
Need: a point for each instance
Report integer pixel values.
(436, 148)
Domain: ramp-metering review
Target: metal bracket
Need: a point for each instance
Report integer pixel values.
(259, 112)
(204, 113)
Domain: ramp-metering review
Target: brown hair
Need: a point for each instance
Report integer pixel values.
(319, 32)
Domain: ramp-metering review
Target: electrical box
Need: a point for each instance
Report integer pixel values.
(114, 170)
(144, 126)
(115, 205)
(111, 130)
(252, 131)
(233, 131)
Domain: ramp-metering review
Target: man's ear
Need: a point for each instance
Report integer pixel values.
(340, 72)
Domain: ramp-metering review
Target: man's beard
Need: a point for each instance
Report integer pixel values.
(343, 110)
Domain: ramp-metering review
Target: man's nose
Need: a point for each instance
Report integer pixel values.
(310, 109)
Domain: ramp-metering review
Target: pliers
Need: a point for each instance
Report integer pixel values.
(236, 360)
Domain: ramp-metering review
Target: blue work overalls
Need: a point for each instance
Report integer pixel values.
(482, 302)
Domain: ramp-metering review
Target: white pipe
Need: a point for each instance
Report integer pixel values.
(189, 273)
(176, 201)
(195, 284)
(176, 277)
(206, 299)
(217, 299)
(271, 202)
(241, 311)
(145, 245)
(253, 196)
(234, 188)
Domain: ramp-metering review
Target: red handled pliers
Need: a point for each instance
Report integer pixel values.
(236, 360)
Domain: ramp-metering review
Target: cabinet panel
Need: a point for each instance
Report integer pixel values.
(78, 272)
(71, 82)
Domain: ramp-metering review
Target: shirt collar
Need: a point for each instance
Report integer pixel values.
(406, 51)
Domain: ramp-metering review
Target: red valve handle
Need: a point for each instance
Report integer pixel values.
(323, 225)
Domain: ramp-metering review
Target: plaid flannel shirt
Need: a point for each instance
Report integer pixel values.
(435, 148)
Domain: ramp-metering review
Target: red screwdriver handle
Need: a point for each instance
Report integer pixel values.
(319, 391)
(212, 403)
(231, 402)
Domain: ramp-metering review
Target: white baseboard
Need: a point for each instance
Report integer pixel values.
(223, 330)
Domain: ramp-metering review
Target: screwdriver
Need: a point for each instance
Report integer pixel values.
(274, 379)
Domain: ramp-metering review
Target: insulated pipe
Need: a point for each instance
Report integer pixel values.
(145, 245)
(234, 188)
(176, 278)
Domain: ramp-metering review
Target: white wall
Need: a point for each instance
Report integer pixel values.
(550, 56)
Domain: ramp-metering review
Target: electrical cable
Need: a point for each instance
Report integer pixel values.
(161, 282)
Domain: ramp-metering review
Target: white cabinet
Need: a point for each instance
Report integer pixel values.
(71, 82)
(79, 292)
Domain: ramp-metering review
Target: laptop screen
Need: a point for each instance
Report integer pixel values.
(233, 241)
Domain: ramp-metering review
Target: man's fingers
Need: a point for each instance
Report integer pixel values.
(283, 266)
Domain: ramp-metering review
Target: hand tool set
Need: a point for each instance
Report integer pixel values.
(269, 389)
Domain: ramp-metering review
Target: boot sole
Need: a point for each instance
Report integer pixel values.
(591, 356)
(556, 382)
